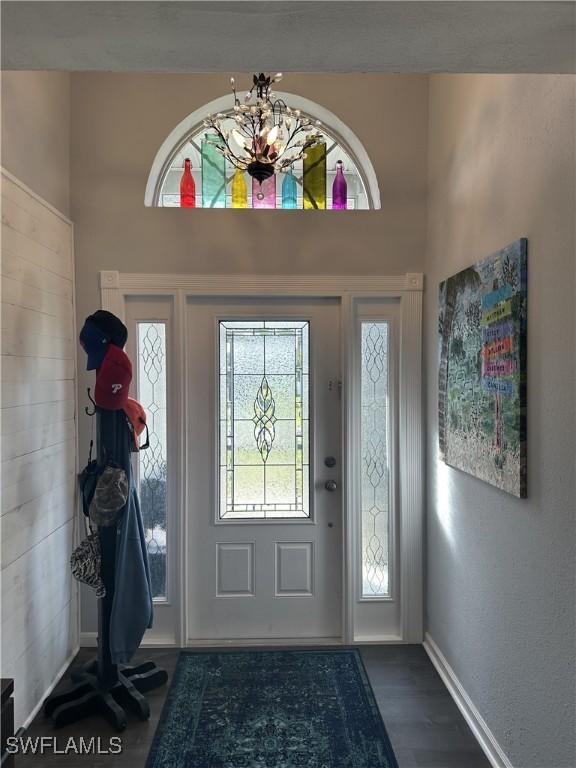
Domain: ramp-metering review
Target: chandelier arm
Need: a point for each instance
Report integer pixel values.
(279, 105)
(245, 131)
(293, 135)
(231, 154)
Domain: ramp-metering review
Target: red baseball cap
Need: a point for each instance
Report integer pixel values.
(137, 417)
(113, 380)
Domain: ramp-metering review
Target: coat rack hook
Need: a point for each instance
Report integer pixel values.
(87, 408)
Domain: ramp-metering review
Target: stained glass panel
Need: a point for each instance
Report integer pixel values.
(264, 421)
(224, 188)
(213, 173)
(315, 177)
(151, 338)
(375, 464)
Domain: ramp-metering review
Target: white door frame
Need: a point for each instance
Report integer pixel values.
(349, 289)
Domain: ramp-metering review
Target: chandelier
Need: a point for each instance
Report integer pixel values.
(268, 136)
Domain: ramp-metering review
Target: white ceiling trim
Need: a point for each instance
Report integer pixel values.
(289, 35)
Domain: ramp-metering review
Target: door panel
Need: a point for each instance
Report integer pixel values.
(264, 411)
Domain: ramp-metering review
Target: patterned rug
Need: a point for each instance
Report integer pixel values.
(271, 709)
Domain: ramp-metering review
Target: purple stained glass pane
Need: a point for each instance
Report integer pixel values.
(339, 189)
(264, 195)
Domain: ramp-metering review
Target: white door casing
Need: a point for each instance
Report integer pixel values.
(353, 293)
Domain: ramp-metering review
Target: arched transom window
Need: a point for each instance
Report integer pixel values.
(218, 185)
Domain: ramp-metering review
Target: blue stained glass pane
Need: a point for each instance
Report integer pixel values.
(289, 190)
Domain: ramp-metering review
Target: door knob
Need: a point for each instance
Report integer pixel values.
(331, 485)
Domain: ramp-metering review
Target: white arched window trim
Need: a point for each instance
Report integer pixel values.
(342, 133)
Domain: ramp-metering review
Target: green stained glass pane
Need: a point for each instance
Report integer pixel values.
(263, 443)
(213, 173)
(314, 180)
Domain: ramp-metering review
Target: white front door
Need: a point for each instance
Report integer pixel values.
(264, 505)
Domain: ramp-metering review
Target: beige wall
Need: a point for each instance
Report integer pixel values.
(500, 570)
(118, 124)
(36, 132)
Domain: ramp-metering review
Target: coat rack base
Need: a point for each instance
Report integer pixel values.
(87, 695)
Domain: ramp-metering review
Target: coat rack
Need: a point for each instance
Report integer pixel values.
(101, 687)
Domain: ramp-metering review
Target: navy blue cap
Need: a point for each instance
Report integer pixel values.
(95, 343)
(111, 326)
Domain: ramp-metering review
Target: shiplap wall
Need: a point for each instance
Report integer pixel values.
(39, 610)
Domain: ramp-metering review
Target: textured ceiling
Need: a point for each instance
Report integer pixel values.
(290, 36)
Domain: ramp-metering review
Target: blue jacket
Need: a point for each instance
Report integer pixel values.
(132, 608)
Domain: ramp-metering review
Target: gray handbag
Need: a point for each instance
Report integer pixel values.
(86, 561)
(110, 496)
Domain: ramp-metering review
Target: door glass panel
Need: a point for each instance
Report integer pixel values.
(152, 461)
(264, 420)
(375, 459)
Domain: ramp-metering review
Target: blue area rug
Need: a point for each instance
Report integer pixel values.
(271, 709)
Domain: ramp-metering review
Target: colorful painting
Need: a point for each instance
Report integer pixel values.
(482, 376)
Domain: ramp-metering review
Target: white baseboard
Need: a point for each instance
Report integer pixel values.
(378, 640)
(90, 640)
(48, 691)
(250, 642)
(478, 726)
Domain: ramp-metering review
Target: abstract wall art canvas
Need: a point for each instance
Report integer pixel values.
(482, 373)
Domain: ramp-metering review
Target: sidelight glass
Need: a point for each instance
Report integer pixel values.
(152, 462)
(375, 473)
(264, 419)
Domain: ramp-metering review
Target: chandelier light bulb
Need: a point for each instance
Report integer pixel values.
(272, 135)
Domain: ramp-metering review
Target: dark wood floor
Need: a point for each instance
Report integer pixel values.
(424, 724)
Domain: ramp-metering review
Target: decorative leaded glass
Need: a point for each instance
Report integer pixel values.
(264, 423)
(374, 446)
(152, 462)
